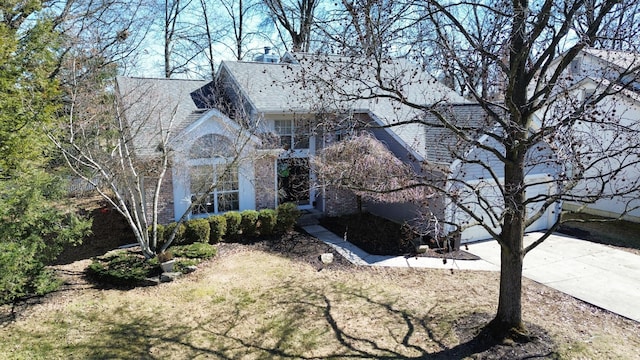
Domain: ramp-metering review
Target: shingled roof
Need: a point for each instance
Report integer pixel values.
(625, 61)
(305, 83)
(154, 106)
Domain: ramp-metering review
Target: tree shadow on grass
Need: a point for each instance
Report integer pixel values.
(305, 322)
(476, 342)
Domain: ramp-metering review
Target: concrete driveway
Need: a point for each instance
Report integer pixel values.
(595, 273)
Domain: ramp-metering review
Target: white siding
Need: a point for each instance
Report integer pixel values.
(478, 191)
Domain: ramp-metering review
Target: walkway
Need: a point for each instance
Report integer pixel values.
(594, 273)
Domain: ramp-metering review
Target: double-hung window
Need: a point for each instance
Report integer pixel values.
(213, 184)
(293, 134)
(214, 188)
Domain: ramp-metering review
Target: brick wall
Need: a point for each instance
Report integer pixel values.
(340, 202)
(165, 203)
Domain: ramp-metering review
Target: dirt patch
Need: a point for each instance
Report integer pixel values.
(477, 343)
(296, 245)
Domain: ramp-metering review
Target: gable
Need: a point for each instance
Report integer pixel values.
(154, 106)
(442, 145)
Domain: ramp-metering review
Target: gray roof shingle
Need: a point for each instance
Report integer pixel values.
(315, 83)
(154, 106)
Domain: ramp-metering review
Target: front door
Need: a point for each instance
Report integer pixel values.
(294, 183)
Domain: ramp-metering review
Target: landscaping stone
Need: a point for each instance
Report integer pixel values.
(169, 276)
(191, 268)
(167, 266)
(421, 249)
(326, 258)
(152, 281)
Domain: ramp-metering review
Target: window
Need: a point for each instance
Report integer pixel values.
(213, 182)
(211, 146)
(293, 134)
(217, 188)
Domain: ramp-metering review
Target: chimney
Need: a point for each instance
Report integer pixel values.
(267, 56)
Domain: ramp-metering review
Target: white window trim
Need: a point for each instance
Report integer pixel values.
(214, 164)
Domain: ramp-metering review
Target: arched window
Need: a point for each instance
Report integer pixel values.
(214, 183)
(212, 146)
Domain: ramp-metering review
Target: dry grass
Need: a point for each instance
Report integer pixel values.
(255, 305)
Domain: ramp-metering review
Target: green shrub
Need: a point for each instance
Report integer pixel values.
(287, 214)
(249, 223)
(123, 268)
(197, 230)
(233, 225)
(267, 219)
(21, 275)
(181, 265)
(168, 229)
(35, 227)
(196, 250)
(161, 234)
(218, 226)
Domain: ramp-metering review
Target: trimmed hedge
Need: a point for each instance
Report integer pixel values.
(267, 219)
(249, 223)
(197, 230)
(288, 215)
(218, 226)
(233, 225)
(168, 229)
(161, 229)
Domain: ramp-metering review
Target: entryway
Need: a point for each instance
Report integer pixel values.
(294, 182)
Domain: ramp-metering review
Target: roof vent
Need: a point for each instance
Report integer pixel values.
(267, 57)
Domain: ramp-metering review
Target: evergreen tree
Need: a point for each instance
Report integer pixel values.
(33, 226)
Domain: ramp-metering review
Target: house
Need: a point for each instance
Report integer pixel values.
(206, 147)
(615, 74)
(280, 98)
(265, 117)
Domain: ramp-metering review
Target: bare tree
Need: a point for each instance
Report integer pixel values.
(178, 33)
(297, 18)
(122, 139)
(371, 28)
(537, 120)
(242, 17)
(619, 28)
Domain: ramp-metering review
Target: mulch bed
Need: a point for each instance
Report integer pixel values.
(296, 245)
(379, 236)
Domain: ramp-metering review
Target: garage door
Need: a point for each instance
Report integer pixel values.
(486, 203)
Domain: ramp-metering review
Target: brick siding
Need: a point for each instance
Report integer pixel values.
(340, 202)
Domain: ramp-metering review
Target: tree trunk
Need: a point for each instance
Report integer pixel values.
(508, 320)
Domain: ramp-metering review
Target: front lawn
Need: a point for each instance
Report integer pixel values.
(250, 303)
